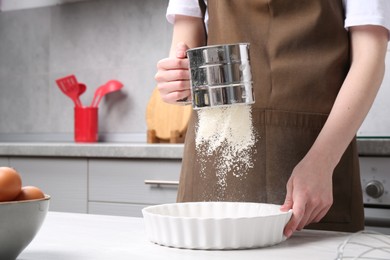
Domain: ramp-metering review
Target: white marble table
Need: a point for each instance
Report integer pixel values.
(72, 236)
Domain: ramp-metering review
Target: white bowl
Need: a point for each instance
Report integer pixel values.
(20, 221)
(215, 225)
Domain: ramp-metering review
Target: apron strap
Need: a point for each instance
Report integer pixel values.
(203, 7)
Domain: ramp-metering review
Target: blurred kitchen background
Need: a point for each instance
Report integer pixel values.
(96, 40)
(100, 40)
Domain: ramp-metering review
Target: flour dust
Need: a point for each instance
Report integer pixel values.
(225, 139)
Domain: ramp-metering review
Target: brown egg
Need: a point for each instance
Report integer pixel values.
(30, 193)
(10, 184)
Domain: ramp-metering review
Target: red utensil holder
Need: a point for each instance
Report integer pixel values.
(86, 124)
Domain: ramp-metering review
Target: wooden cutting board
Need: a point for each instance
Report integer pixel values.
(166, 122)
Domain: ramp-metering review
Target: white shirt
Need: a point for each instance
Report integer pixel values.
(357, 12)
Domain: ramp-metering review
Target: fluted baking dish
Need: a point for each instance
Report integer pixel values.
(215, 225)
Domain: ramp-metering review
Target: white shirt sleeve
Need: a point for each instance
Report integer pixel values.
(182, 7)
(367, 12)
(357, 12)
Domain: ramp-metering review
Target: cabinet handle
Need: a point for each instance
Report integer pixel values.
(161, 182)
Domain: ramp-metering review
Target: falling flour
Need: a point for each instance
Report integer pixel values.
(225, 138)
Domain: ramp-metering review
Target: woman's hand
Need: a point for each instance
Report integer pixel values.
(172, 73)
(309, 189)
(309, 193)
(173, 76)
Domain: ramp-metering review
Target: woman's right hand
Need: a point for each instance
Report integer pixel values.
(173, 76)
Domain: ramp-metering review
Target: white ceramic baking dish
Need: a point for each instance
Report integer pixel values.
(215, 225)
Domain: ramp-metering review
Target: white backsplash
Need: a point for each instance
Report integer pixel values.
(96, 41)
(377, 122)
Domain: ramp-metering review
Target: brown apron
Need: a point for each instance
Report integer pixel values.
(299, 56)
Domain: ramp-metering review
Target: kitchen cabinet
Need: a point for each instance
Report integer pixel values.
(64, 179)
(117, 186)
(4, 161)
(114, 186)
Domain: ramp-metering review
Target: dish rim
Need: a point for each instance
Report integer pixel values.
(281, 213)
(47, 197)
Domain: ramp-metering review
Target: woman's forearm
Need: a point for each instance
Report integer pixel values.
(189, 30)
(172, 75)
(368, 45)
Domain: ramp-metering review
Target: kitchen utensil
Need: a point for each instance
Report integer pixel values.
(110, 86)
(166, 122)
(215, 225)
(20, 221)
(70, 87)
(220, 75)
(82, 88)
(86, 124)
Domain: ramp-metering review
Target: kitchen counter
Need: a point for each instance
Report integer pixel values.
(93, 150)
(366, 147)
(65, 236)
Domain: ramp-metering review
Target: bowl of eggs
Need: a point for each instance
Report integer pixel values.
(22, 212)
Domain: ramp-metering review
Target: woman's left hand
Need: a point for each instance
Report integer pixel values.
(309, 189)
(309, 193)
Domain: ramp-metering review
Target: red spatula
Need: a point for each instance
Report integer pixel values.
(70, 87)
(110, 86)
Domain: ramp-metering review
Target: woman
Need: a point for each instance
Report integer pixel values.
(317, 66)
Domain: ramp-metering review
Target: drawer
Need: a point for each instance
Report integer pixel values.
(4, 161)
(65, 180)
(123, 181)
